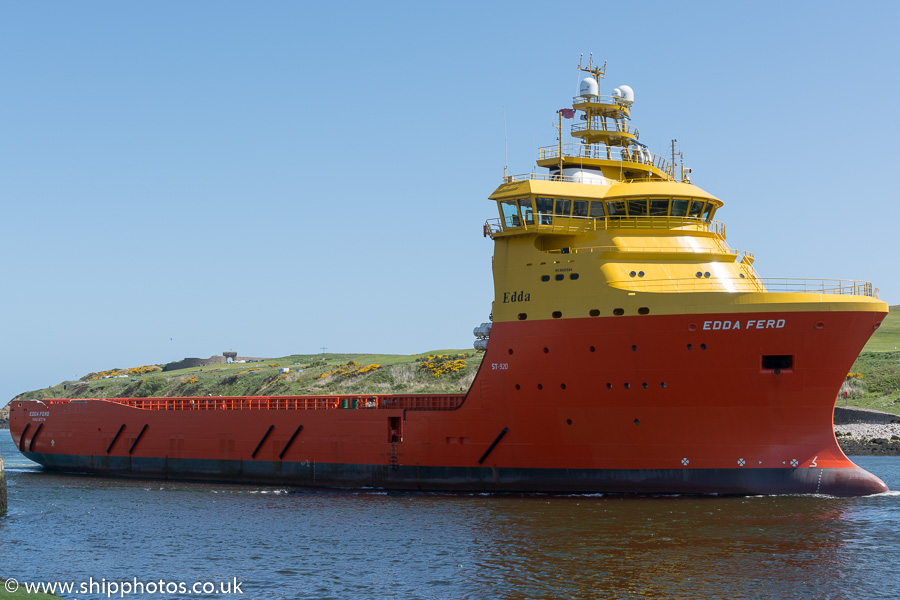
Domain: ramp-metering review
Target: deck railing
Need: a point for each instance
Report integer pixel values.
(324, 402)
(841, 287)
(604, 152)
(550, 223)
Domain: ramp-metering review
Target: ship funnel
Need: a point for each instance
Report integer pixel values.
(589, 88)
(627, 93)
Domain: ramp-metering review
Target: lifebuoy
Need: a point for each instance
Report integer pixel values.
(487, 230)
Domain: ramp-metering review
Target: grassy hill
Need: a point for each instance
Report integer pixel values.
(434, 372)
(874, 380)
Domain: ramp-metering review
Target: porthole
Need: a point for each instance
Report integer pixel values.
(562, 386)
(690, 346)
(618, 311)
(643, 310)
(510, 351)
(540, 386)
(546, 350)
(703, 346)
(560, 277)
(518, 387)
(637, 422)
(545, 278)
(522, 316)
(640, 273)
(593, 349)
(568, 421)
(633, 273)
(594, 312)
(627, 386)
(706, 274)
(609, 386)
(742, 276)
(573, 276)
(644, 385)
(556, 314)
(699, 274)
(663, 385)
(634, 348)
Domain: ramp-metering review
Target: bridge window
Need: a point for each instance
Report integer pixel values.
(579, 208)
(616, 208)
(637, 208)
(563, 207)
(679, 207)
(707, 211)
(597, 210)
(509, 211)
(526, 210)
(544, 209)
(659, 208)
(696, 208)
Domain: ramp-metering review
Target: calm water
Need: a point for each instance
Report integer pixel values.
(297, 544)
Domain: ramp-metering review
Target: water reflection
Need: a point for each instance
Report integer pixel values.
(288, 543)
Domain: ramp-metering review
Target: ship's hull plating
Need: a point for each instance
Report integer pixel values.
(640, 404)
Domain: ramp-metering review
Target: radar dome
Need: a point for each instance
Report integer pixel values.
(627, 93)
(589, 88)
(617, 93)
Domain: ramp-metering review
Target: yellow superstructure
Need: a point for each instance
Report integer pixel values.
(611, 230)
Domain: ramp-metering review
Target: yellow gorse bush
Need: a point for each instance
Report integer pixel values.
(443, 363)
(351, 369)
(143, 370)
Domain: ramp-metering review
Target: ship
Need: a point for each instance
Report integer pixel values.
(629, 350)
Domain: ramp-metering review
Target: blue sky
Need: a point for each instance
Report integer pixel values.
(183, 178)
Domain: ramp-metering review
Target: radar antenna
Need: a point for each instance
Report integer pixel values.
(598, 72)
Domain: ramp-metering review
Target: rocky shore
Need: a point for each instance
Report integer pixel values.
(862, 432)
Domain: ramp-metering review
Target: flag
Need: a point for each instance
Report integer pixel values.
(567, 113)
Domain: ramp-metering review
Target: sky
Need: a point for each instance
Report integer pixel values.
(178, 179)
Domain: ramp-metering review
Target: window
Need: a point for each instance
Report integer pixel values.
(563, 207)
(637, 208)
(696, 208)
(679, 207)
(597, 210)
(544, 209)
(509, 211)
(707, 210)
(616, 208)
(580, 208)
(526, 210)
(659, 208)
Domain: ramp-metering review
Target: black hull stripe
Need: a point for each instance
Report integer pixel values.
(836, 481)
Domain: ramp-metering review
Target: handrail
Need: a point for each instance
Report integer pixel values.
(313, 402)
(602, 125)
(568, 224)
(611, 100)
(841, 287)
(604, 152)
(644, 249)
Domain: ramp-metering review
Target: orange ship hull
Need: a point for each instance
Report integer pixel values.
(637, 404)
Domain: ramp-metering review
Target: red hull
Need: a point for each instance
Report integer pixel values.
(668, 404)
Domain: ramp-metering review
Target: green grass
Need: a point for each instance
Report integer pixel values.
(309, 374)
(887, 337)
(21, 594)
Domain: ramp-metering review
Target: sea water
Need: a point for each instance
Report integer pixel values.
(230, 541)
